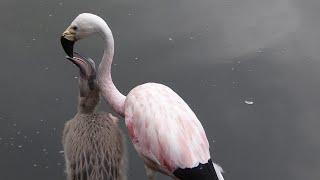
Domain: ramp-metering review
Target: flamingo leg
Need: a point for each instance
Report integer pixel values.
(151, 174)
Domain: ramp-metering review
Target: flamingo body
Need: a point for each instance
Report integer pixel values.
(163, 128)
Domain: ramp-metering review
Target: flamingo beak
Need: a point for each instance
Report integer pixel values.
(87, 68)
(67, 41)
(81, 64)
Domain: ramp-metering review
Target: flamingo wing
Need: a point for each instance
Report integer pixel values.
(164, 129)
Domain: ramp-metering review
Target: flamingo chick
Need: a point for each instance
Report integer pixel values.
(164, 130)
(92, 141)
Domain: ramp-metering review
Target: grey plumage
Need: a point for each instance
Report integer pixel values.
(93, 142)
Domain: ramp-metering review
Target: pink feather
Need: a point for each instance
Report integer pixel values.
(164, 129)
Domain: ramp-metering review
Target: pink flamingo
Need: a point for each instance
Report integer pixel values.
(164, 130)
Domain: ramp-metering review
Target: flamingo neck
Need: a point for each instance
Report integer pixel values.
(107, 87)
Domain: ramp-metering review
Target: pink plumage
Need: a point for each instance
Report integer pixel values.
(164, 129)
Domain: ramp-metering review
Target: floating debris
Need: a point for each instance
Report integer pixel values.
(61, 152)
(248, 102)
(20, 146)
(170, 39)
(35, 165)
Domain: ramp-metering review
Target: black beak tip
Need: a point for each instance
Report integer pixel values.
(67, 46)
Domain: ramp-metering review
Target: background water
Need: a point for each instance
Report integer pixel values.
(219, 55)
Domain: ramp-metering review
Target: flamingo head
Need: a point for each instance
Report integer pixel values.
(81, 27)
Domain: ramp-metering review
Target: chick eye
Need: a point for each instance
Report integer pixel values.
(75, 28)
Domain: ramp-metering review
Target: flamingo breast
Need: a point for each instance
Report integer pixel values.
(164, 129)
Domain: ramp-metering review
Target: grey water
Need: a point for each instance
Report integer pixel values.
(248, 68)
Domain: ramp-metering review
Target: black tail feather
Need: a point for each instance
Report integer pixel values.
(201, 172)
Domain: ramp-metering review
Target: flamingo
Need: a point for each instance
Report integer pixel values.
(163, 129)
(92, 141)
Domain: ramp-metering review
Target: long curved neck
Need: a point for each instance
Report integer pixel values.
(108, 89)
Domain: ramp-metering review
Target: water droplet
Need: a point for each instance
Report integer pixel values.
(259, 51)
(248, 102)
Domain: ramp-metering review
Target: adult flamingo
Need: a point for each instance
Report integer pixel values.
(164, 130)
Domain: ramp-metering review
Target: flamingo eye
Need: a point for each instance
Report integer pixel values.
(74, 28)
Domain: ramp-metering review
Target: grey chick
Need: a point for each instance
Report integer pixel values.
(92, 141)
